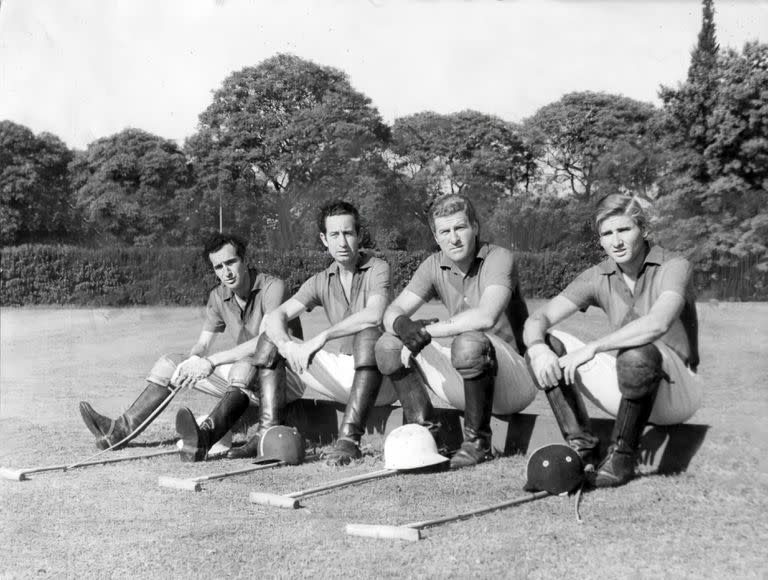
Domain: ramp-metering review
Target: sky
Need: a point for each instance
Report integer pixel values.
(85, 69)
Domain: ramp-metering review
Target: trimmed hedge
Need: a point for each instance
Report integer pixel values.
(70, 275)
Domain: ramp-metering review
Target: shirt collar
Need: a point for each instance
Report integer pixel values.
(480, 253)
(653, 255)
(256, 284)
(363, 263)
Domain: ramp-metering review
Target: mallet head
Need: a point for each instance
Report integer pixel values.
(273, 499)
(178, 483)
(13, 474)
(386, 532)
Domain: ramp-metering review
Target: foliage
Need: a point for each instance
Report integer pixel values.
(125, 184)
(35, 196)
(285, 135)
(591, 142)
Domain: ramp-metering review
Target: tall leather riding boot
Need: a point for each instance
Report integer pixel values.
(478, 404)
(365, 388)
(618, 467)
(571, 414)
(271, 403)
(417, 406)
(197, 440)
(110, 431)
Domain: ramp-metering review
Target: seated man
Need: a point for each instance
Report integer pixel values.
(354, 291)
(647, 293)
(237, 306)
(477, 283)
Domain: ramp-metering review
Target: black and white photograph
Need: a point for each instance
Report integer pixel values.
(383, 289)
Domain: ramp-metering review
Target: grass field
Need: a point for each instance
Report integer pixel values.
(115, 521)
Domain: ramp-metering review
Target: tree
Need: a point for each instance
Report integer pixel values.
(282, 136)
(587, 141)
(469, 152)
(35, 196)
(126, 184)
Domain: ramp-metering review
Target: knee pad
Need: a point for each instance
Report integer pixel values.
(266, 355)
(387, 351)
(243, 374)
(472, 354)
(164, 367)
(364, 347)
(639, 371)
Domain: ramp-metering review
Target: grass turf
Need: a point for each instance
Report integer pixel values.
(115, 521)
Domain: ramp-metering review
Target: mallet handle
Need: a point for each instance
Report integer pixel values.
(477, 512)
(224, 474)
(100, 462)
(342, 482)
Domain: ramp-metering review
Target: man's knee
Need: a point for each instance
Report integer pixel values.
(472, 354)
(639, 371)
(267, 355)
(243, 374)
(164, 367)
(364, 347)
(387, 351)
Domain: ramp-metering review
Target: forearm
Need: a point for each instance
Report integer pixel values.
(641, 331)
(350, 325)
(535, 329)
(392, 314)
(276, 327)
(473, 319)
(234, 354)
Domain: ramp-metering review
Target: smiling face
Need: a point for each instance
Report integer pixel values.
(341, 239)
(623, 241)
(457, 237)
(230, 269)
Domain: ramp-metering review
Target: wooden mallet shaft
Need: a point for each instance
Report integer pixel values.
(21, 474)
(291, 500)
(412, 531)
(194, 483)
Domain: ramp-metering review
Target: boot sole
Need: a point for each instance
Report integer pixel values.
(186, 427)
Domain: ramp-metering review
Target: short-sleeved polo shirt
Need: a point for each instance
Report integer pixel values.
(662, 271)
(438, 277)
(223, 313)
(370, 278)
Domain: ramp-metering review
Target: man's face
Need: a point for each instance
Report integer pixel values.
(456, 236)
(229, 268)
(622, 240)
(341, 239)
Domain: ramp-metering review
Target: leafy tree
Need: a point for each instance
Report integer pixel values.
(587, 141)
(35, 196)
(283, 135)
(469, 152)
(126, 185)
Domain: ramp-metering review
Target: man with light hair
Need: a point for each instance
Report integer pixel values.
(236, 306)
(647, 293)
(353, 291)
(478, 284)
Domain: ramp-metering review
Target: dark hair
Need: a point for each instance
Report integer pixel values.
(219, 240)
(337, 207)
(451, 204)
(616, 204)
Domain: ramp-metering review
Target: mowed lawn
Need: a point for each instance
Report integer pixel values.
(114, 521)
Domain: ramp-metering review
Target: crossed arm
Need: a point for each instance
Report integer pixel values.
(548, 369)
(299, 354)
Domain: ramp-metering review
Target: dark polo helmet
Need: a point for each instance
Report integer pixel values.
(281, 443)
(554, 468)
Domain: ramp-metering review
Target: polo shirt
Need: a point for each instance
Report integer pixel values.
(603, 286)
(223, 313)
(370, 278)
(438, 277)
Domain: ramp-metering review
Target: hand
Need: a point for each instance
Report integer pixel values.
(571, 361)
(192, 370)
(545, 366)
(300, 356)
(412, 332)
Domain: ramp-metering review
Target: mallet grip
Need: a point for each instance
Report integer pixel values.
(273, 499)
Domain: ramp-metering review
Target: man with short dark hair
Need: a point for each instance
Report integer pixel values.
(647, 294)
(477, 283)
(353, 291)
(236, 306)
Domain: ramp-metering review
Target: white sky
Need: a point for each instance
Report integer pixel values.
(84, 69)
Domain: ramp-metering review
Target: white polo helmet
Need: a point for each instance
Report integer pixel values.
(411, 447)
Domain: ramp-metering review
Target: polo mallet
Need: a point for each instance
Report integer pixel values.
(291, 500)
(194, 483)
(412, 531)
(133, 433)
(21, 474)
